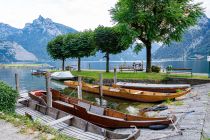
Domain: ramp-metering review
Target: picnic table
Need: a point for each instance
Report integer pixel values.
(134, 67)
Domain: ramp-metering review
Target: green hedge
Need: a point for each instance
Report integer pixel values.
(155, 69)
(8, 97)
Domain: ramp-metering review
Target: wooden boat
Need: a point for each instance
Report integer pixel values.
(64, 75)
(77, 124)
(103, 117)
(135, 95)
(170, 88)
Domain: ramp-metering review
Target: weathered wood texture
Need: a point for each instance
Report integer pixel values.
(62, 127)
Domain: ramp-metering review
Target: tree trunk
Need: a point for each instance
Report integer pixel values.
(107, 62)
(63, 64)
(79, 61)
(149, 55)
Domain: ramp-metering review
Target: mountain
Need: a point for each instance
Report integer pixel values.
(11, 52)
(32, 39)
(29, 43)
(194, 45)
(7, 30)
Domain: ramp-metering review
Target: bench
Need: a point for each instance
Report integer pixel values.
(179, 70)
(71, 67)
(135, 67)
(69, 117)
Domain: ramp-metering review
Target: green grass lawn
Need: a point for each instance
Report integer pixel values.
(132, 75)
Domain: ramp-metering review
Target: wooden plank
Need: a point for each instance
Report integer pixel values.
(62, 127)
(60, 120)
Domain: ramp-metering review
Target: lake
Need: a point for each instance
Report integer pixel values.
(29, 82)
(197, 66)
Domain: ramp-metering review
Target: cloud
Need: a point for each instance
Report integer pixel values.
(206, 6)
(79, 14)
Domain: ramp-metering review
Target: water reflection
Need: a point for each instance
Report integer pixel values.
(29, 82)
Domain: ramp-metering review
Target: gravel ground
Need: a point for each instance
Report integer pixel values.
(192, 125)
(9, 132)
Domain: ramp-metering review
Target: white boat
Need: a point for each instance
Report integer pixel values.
(64, 75)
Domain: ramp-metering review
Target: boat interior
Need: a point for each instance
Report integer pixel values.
(90, 107)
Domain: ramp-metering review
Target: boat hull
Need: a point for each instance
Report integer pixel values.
(81, 124)
(107, 121)
(166, 88)
(135, 95)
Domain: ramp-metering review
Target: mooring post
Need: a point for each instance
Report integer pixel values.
(89, 66)
(79, 87)
(101, 88)
(115, 75)
(49, 94)
(17, 84)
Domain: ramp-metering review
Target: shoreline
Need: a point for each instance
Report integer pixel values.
(24, 65)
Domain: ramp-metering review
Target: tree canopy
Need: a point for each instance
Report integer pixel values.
(156, 20)
(80, 45)
(57, 50)
(108, 41)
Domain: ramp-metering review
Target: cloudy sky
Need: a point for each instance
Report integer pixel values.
(79, 14)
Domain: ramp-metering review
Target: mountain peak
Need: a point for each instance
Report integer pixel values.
(42, 20)
(40, 17)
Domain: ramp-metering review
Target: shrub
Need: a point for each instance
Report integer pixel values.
(8, 98)
(155, 69)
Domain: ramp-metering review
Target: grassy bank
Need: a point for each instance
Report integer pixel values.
(132, 75)
(34, 128)
(23, 65)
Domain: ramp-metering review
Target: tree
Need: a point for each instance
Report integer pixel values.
(81, 44)
(57, 50)
(156, 20)
(108, 41)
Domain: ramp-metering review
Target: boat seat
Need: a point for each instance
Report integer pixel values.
(97, 110)
(84, 105)
(114, 89)
(63, 103)
(138, 92)
(108, 117)
(94, 86)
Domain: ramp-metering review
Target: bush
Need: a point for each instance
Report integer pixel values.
(155, 69)
(8, 97)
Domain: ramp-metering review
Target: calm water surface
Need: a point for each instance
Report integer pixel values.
(29, 82)
(197, 66)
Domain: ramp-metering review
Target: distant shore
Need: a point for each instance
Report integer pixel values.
(24, 65)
